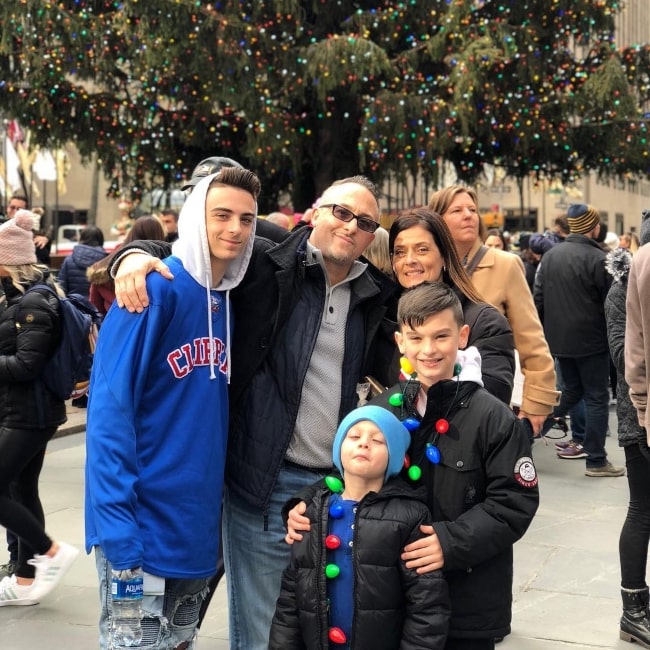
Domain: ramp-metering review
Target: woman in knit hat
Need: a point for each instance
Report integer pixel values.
(29, 413)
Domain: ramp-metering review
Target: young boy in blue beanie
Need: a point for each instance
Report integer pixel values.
(346, 586)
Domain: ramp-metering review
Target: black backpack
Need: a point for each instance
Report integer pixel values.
(67, 373)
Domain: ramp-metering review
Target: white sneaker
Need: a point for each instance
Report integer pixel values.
(11, 593)
(49, 570)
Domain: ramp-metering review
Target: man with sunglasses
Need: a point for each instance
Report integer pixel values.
(306, 316)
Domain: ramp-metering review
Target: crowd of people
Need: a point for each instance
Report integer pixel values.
(287, 334)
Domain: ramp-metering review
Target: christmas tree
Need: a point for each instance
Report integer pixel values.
(307, 92)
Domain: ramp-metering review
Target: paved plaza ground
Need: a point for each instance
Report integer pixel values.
(566, 592)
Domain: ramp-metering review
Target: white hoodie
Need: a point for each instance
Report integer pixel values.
(193, 250)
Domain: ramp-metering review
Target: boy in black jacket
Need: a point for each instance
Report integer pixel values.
(346, 586)
(472, 455)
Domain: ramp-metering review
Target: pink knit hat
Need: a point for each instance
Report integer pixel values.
(17, 240)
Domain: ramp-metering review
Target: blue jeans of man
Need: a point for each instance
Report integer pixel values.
(168, 621)
(576, 413)
(588, 378)
(255, 555)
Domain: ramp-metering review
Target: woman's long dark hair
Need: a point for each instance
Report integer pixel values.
(146, 227)
(453, 273)
(91, 236)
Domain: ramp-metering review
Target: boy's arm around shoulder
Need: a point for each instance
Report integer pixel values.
(159, 249)
(305, 495)
(511, 492)
(426, 595)
(130, 272)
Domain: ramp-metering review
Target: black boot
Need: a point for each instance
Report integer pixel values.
(635, 622)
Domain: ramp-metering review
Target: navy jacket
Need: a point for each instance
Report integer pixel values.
(72, 275)
(263, 409)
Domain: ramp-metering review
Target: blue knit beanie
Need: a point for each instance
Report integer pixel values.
(397, 436)
(540, 243)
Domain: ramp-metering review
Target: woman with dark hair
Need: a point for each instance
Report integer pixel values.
(494, 238)
(421, 249)
(89, 250)
(102, 286)
(500, 279)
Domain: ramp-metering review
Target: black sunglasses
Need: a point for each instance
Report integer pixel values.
(343, 214)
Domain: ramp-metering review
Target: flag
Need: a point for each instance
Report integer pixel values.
(12, 166)
(26, 158)
(14, 132)
(44, 165)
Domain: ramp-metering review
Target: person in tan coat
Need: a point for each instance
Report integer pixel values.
(500, 279)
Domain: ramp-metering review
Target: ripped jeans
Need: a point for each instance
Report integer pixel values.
(168, 622)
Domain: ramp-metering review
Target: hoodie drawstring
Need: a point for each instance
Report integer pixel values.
(228, 333)
(208, 280)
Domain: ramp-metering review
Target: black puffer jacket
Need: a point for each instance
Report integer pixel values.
(482, 495)
(618, 266)
(396, 608)
(29, 333)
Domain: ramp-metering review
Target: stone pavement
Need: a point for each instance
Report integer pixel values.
(566, 592)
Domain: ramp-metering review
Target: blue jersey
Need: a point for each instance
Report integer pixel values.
(157, 431)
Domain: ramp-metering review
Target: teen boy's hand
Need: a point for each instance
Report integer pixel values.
(425, 554)
(130, 280)
(295, 522)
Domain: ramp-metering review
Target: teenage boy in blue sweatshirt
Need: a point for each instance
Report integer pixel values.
(155, 463)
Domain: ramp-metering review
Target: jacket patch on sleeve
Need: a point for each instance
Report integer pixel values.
(525, 472)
